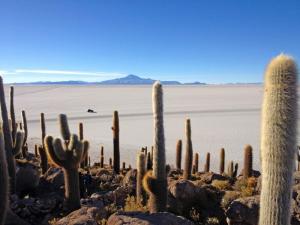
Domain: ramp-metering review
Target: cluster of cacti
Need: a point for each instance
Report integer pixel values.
(116, 141)
(140, 194)
(4, 186)
(68, 155)
(222, 160)
(155, 181)
(188, 151)
(278, 140)
(207, 163)
(12, 148)
(178, 154)
(248, 158)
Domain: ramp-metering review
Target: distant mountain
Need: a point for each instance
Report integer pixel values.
(135, 80)
(128, 80)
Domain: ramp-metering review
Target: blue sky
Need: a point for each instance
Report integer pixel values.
(213, 41)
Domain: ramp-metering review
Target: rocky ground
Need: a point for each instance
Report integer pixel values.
(208, 198)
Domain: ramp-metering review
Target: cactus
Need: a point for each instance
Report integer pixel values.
(155, 182)
(12, 148)
(178, 154)
(44, 159)
(123, 165)
(298, 158)
(68, 155)
(196, 163)
(207, 164)
(110, 162)
(278, 140)
(12, 114)
(149, 162)
(235, 172)
(222, 160)
(188, 152)
(43, 128)
(116, 142)
(36, 154)
(4, 189)
(102, 157)
(140, 194)
(248, 158)
(193, 169)
(230, 169)
(80, 131)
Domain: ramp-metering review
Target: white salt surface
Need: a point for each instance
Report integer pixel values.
(221, 116)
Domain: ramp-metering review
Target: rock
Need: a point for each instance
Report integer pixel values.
(130, 178)
(27, 177)
(54, 177)
(139, 218)
(83, 216)
(208, 178)
(244, 211)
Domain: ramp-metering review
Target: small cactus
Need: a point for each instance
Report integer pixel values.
(102, 157)
(44, 159)
(278, 140)
(25, 128)
(4, 182)
(140, 194)
(149, 162)
(207, 164)
(248, 158)
(124, 166)
(43, 128)
(178, 154)
(222, 160)
(196, 163)
(230, 169)
(116, 141)
(235, 172)
(68, 155)
(110, 162)
(188, 152)
(155, 181)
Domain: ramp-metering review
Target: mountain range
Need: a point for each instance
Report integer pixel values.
(127, 80)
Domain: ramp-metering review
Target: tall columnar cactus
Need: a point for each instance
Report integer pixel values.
(43, 128)
(25, 128)
(155, 183)
(196, 163)
(298, 158)
(110, 162)
(140, 194)
(68, 156)
(278, 140)
(102, 157)
(248, 158)
(4, 189)
(188, 151)
(222, 160)
(116, 142)
(149, 162)
(230, 169)
(80, 127)
(12, 114)
(178, 154)
(236, 168)
(207, 163)
(12, 148)
(44, 159)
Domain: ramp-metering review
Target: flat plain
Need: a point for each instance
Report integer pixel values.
(221, 116)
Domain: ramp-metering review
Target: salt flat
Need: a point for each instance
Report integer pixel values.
(222, 116)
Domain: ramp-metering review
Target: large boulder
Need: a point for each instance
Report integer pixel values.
(83, 216)
(27, 177)
(243, 211)
(139, 218)
(54, 177)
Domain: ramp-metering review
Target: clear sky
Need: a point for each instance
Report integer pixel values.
(213, 41)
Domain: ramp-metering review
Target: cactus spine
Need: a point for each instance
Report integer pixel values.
(4, 189)
(188, 151)
(178, 154)
(248, 158)
(278, 140)
(140, 195)
(156, 183)
(12, 148)
(222, 160)
(207, 164)
(102, 157)
(116, 142)
(68, 155)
